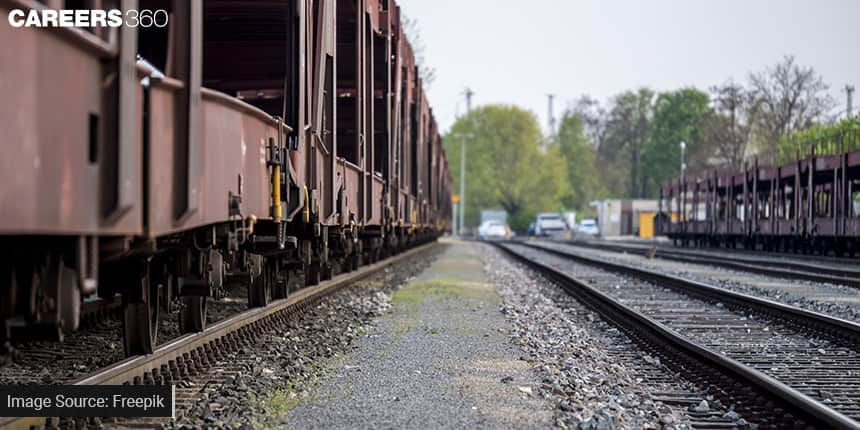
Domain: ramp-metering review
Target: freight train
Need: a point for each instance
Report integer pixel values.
(225, 143)
(811, 204)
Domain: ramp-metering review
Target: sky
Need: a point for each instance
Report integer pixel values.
(518, 51)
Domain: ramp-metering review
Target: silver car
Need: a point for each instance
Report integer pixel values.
(493, 230)
(588, 227)
(550, 224)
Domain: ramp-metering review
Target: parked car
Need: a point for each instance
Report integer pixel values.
(550, 224)
(588, 227)
(493, 230)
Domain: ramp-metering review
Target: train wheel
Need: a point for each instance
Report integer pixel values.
(260, 290)
(70, 300)
(192, 316)
(346, 264)
(312, 274)
(140, 317)
(281, 287)
(326, 272)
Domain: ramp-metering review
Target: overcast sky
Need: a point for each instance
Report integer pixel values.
(517, 51)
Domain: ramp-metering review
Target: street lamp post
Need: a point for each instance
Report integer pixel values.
(462, 181)
(454, 219)
(461, 205)
(682, 190)
(683, 165)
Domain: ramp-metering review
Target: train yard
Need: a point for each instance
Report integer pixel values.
(618, 334)
(788, 345)
(202, 363)
(249, 205)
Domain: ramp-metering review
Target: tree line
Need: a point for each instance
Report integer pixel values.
(630, 144)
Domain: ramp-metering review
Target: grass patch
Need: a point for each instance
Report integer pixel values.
(280, 402)
(417, 292)
(275, 407)
(431, 330)
(404, 326)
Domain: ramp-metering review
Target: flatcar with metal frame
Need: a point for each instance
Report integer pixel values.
(809, 205)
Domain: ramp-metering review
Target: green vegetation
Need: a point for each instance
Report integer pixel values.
(630, 145)
(827, 139)
(506, 164)
(279, 403)
(417, 292)
(677, 118)
(583, 177)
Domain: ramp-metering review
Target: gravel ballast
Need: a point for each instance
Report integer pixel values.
(439, 359)
(595, 375)
(257, 387)
(472, 341)
(836, 300)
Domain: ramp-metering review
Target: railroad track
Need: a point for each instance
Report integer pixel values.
(779, 365)
(819, 258)
(776, 267)
(192, 354)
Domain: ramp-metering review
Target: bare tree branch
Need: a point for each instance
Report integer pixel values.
(413, 34)
(791, 97)
(728, 127)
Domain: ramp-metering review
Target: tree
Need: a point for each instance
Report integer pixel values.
(583, 180)
(791, 98)
(676, 118)
(504, 166)
(843, 136)
(592, 116)
(413, 35)
(626, 137)
(727, 128)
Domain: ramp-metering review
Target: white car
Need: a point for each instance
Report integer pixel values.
(550, 224)
(588, 227)
(493, 230)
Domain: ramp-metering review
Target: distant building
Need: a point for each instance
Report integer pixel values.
(626, 217)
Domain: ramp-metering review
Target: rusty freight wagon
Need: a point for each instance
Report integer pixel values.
(239, 143)
(811, 204)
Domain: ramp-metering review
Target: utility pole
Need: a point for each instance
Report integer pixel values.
(551, 116)
(468, 93)
(682, 190)
(849, 92)
(462, 180)
(454, 219)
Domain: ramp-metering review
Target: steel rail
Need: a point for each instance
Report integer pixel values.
(757, 253)
(811, 411)
(132, 370)
(838, 328)
(769, 267)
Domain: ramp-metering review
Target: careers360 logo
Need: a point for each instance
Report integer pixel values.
(88, 18)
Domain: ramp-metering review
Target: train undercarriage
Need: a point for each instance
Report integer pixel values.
(43, 290)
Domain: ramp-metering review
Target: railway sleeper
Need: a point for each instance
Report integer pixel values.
(732, 385)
